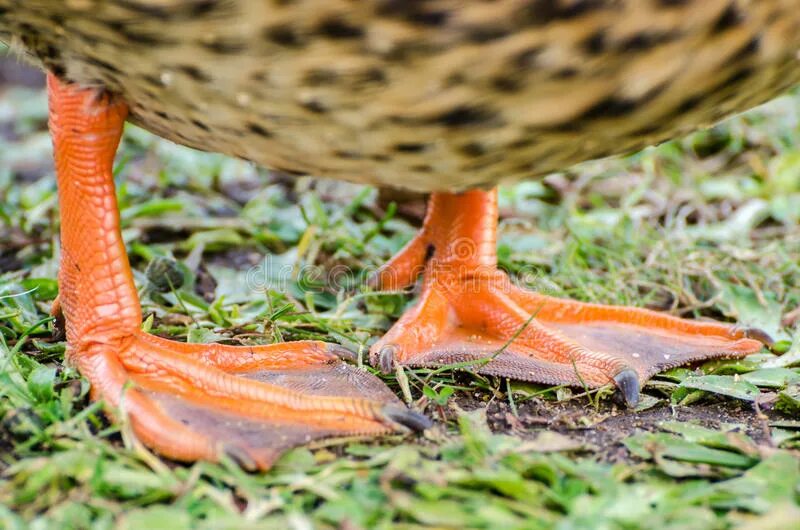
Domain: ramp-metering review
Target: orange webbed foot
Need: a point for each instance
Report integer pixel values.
(203, 401)
(470, 312)
(186, 401)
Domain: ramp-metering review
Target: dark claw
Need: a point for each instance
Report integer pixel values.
(342, 352)
(627, 382)
(407, 417)
(241, 457)
(386, 359)
(59, 328)
(373, 281)
(759, 335)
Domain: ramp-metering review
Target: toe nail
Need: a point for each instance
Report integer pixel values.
(241, 457)
(627, 382)
(342, 352)
(386, 359)
(759, 335)
(373, 281)
(407, 417)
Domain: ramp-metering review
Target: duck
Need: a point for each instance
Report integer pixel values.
(444, 97)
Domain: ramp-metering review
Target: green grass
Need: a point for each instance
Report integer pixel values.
(707, 226)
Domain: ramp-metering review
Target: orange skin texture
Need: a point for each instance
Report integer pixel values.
(203, 401)
(470, 310)
(142, 375)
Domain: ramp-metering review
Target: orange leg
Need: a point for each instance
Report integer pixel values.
(186, 401)
(471, 311)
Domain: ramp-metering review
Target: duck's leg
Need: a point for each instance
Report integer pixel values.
(186, 401)
(471, 311)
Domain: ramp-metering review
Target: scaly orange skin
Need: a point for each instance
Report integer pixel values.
(173, 393)
(469, 311)
(191, 401)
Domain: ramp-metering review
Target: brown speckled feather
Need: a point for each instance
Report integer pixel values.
(425, 95)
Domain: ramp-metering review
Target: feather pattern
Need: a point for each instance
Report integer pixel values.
(427, 95)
